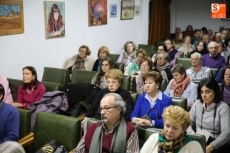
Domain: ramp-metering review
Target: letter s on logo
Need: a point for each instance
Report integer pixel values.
(215, 8)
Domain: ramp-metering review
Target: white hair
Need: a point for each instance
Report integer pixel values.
(11, 147)
(212, 42)
(197, 54)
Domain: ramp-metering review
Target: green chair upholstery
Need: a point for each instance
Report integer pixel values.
(145, 46)
(119, 66)
(159, 42)
(92, 121)
(150, 52)
(126, 83)
(186, 62)
(81, 76)
(66, 130)
(214, 72)
(196, 82)
(50, 86)
(182, 55)
(150, 131)
(55, 75)
(134, 96)
(25, 122)
(114, 57)
(163, 86)
(182, 102)
(201, 139)
(14, 84)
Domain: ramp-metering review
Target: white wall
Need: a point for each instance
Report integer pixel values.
(31, 47)
(196, 13)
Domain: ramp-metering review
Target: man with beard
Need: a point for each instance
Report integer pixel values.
(113, 133)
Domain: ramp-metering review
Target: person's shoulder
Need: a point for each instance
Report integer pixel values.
(192, 145)
(41, 85)
(10, 108)
(165, 97)
(223, 105)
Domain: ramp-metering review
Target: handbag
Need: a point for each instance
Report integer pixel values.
(49, 147)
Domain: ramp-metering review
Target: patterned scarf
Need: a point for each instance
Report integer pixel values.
(180, 87)
(79, 64)
(125, 57)
(162, 70)
(140, 84)
(173, 146)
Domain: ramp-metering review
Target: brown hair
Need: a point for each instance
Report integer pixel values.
(130, 42)
(103, 48)
(88, 51)
(153, 74)
(141, 51)
(115, 74)
(149, 61)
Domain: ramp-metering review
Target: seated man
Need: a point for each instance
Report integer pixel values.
(213, 59)
(173, 53)
(113, 133)
(9, 120)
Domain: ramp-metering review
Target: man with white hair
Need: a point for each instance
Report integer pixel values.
(113, 133)
(213, 59)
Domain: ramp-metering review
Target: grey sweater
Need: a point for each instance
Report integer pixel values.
(221, 129)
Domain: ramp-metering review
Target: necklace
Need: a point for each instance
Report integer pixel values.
(28, 91)
(226, 90)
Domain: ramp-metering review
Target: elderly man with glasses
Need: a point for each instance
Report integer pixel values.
(113, 133)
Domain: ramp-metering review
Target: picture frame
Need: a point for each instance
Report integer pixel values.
(227, 2)
(97, 12)
(113, 10)
(11, 17)
(127, 9)
(54, 14)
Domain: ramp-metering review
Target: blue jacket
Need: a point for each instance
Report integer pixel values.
(143, 105)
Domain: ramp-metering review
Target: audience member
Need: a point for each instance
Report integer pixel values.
(4, 82)
(177, 31)
(113, 133)
(80, 61)
(103, 52)
(211, 36)
(210, 114)
(196, 38)
(31, 90)
(189, 31)
(10, 120)
(227, 44)
(163, 65)
(149, 107)
(186, 48)
(206, 39)
(213, 60)
(218, 37)
(11, 147)
(179, 40)
(181, 85)
(219, 75)
(200, 48)
(221, 28)
(226, 85)
(173, 53)
(204, 30)
(173, 137)
(223, 35)
(220, 48)
(99, 78)
(159, 47)
(137, 82)
(198, 72)
(129, 54)
(133, 68)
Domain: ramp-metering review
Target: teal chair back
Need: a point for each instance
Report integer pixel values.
(114, 57)
(119, 66)
(163, 86)
(81, 76)
(55, 75)
(178, 101)
(64, 129)
(186, 62)
(50, 86)
(25, 122)
(14, 85)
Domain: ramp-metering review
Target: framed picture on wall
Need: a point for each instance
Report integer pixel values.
(113, 10)
(127, 9)
(54, 19)
(97, 11)
(227, 2)
(11, 17)
(137, 10)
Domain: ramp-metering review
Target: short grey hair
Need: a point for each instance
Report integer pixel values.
(197, 54)
(165, 54)
(11, 147)
(118, 102)
(212, 42)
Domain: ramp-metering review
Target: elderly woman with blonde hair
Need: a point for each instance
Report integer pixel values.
(173, 137)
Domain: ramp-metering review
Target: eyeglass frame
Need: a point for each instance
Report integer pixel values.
(106, 109)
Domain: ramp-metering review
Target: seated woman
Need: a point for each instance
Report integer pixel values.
(129, 55)
(80, 61)
(133, 68)
(159, 47)
(173, 137)
(226, 85)
(219, 77)
(163, 65)
(137, 82)
(210, 114)
(189, 31)
(149, 107)
(10, 120)
(198, 72)
(4, 82)
(179, 40)
(103, 52)
(186, 47)
(31, 90)
(181, 85)
(200, 48)
(99, 78)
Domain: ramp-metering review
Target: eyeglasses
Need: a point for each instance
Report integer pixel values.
(213, 47)
(144, 66)
(111, 83)
(106, 109)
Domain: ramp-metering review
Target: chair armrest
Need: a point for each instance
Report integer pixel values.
(26, 137)
(27, 140)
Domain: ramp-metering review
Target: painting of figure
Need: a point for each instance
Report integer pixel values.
(97, 12)
(11, 17)
(127, 10)
(55, 19)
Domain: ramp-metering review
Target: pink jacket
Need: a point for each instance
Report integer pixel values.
(8, 97)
